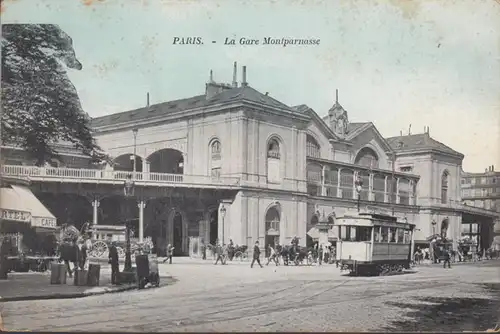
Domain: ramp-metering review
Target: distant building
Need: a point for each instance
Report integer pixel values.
(481, 190)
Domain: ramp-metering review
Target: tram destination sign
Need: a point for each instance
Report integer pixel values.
(15, 215)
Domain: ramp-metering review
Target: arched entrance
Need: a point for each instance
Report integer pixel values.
(167, 160)
(214, 226)
(178, 234)
(272, 228)
(125, 162)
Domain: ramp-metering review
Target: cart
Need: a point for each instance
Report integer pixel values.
(147, 270)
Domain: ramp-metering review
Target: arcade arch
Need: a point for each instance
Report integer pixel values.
(166, 160)
(125, 163)
(367, 157)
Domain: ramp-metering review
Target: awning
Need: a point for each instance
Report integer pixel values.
(18, 203)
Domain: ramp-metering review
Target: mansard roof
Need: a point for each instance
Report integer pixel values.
(421, 141)
(232, 95)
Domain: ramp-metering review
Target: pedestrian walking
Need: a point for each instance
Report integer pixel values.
(320, 254)
(219, 254)
(113, 261)
(170, 253)
(256, 255)
(272, 255)
(203, 250)
(447, 258)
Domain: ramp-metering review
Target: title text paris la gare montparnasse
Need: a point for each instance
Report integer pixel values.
(282, 41)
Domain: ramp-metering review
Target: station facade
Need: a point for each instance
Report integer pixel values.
(293, 168)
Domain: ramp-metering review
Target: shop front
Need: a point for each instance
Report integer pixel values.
(27, 229)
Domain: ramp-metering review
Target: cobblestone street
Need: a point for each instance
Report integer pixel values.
(238, 298)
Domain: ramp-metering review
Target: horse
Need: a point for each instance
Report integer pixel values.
(297, 254)
(69, 252)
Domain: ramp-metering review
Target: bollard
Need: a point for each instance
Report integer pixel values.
(93, 275)
(57, 273)
(81, 277)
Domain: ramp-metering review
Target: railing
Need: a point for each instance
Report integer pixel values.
(80, 174)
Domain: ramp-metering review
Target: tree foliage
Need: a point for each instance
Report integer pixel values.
(40, 105)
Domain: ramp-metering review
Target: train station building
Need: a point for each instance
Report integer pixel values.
(235, 163)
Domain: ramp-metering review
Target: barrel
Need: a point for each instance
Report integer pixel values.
(58, 273)
(94, 273)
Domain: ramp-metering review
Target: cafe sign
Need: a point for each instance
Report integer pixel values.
(14, 215)
(44, 222)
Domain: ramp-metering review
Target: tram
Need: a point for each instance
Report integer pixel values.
(373, 244)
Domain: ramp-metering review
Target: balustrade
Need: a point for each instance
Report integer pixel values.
(46, 173)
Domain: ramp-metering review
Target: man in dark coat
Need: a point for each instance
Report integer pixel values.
(113, 261)
(256, 255)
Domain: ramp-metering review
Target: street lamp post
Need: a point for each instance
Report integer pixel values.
(223, 214)
(359, 186)
(129, 192)
(433, 227)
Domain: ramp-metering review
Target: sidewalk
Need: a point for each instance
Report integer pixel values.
(36, 286)
(33, 286)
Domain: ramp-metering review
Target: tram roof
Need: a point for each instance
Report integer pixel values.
(372, 219)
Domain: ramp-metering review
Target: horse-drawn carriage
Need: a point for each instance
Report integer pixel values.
(103, 235)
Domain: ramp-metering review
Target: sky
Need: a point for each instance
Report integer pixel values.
(395, 63)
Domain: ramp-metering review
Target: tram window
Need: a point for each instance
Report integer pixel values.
(406, 237)
(384, 232)
(353, 234)
(401, 235)
(392, 234)
(376, 234)
(364, 233)
(343, 233)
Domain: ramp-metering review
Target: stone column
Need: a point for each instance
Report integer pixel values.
(323, 176)
(339, 191)
(145, 169)
(386, 194)
(371, 194)
(142, 206)
(354, 192)
(397, 190)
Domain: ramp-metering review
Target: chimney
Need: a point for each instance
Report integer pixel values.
(211, 76)
(401, 133)
(244, 82)
(409, 130)
(235, 82)
(147, 103)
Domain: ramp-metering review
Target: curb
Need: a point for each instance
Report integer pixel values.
(66, 295)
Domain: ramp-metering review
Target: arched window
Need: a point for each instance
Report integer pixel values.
(216, 150)
(312, 147)
(273, 149)
(367, 157)
(273, 161)
(444, 188)
(215, 158)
